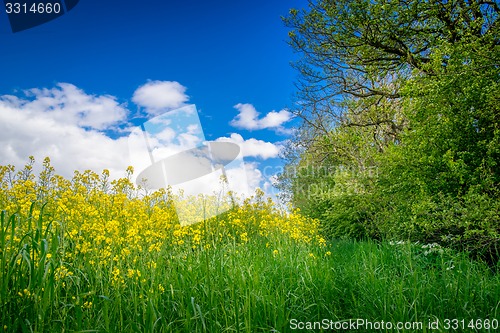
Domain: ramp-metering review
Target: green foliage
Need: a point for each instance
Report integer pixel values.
(448, 161)
(349, 216)
(409, 90)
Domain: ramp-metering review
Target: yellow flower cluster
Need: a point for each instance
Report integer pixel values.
(117, 225)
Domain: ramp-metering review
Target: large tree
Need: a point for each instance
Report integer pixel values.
(364, 51)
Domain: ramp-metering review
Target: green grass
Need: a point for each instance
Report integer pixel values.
(263, 285)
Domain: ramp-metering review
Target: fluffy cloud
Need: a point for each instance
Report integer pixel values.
(72, 127)
(253, 147)
(254, 177)
(65, 124)
(248, 118)
(156, 96)
(243, 179)
(67, 104)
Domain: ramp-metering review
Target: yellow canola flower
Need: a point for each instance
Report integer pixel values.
(112, 223)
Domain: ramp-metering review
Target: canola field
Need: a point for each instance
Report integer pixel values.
(88, 253)
(94, 255)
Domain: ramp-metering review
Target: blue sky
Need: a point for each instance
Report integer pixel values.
(74, 87)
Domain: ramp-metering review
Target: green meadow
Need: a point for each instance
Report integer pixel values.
(77, 260)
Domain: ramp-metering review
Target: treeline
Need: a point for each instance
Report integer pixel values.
(400, 110)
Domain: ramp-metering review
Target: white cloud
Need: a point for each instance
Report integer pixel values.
(63, 123)
(70, 105)
(166, 135)
(248, 118)
(156, 96)
(254, 176)
(253, 147)
(67, 124)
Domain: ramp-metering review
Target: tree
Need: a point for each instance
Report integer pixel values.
(365, 51)
(407, 88)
